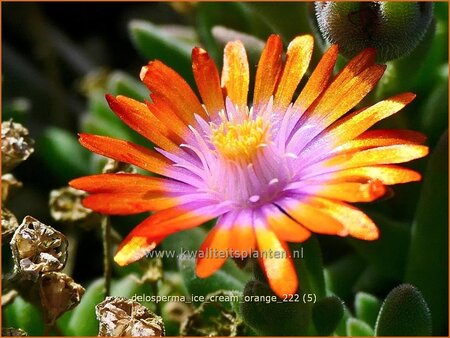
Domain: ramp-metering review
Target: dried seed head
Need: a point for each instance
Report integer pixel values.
(9, 224)
(113, 166)
(17, 146)
(65, 206)
(9, 183)
(59, 293)
(12, 332)
(120, 316)
(38, 248)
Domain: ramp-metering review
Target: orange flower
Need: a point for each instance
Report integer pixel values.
(271, 172)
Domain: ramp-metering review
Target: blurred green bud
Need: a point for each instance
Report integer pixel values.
(393, 28)
(404, 313)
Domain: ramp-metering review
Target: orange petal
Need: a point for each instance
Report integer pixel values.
(214, 250)
(386, 174)
(275, 260)
(284, 227)
(138, 117)
(335, 102)
(125, 151)
(235, 73)
(208, 81)
(164, 82)
(243, 236)
(268, 71)
(363, 60)
(318, 80)
(145, 236)
(128, 203)
(380, 138)
(354, 124)
(374, 156)
(349, 191)
(165, 113)
(357, 223)
(111, 183)
(310, 217)
(298, 57)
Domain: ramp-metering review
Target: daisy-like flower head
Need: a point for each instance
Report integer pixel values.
(272, 171)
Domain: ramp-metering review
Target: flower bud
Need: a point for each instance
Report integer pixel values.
(38, 248)
(120, 316)
(59, 293)
(394, 29)
(17, 146)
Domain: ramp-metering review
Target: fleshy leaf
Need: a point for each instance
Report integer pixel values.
(82, 319)
(154, 42)
(63, 154)
(367, 307)
(358, 328)
(404, 313)
(21, 314)
(427, 265)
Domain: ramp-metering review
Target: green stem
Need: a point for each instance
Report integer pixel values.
(106, 238)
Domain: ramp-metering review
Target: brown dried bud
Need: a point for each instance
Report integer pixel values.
(113, 166)
(17, 146)
(9, 183)
(120, 317)
(65, 206)
(38, 248)
(12, 332)
(59, 293)
(9, 224)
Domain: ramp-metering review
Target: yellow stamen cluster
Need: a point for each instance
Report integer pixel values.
(239, 141)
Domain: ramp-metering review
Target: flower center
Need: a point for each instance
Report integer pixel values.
(239, 141)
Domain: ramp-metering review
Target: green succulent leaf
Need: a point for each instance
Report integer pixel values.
(23, 315)
(404, 313)
(83, 321)
(229, 14)
(427, 266)
(288, 19)
(154, 42)
(367, 308)
(358, 328)
(63, 154)
(326, 314)
(120, 83)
